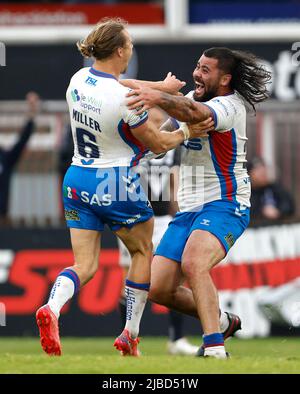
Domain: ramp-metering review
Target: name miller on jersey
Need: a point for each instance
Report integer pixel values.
(86, 120)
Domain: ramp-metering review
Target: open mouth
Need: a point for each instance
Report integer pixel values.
(200, 87)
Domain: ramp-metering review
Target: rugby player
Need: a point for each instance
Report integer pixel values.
(213, 202)
(100, 187)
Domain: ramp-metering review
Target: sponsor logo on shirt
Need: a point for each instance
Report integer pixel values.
(87, 103)
(72, 214)
(86, 197)
(229, 238)
(75, 96)
(91, 81)
(193, 143)
(205, 222)
(130, 220)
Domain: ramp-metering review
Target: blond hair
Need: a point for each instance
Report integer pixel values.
(104, 39)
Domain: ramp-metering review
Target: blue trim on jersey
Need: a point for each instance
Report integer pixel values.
(140, 122)
(221, 177)
(101, 74)
(213, 113)
(140, 286)
(231, 168)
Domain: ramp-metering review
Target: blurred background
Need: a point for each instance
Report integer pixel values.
(260, 279)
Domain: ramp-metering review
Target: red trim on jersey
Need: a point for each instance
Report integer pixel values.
(224, 155)
(130, 138)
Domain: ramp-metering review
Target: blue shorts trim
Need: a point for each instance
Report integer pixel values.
(225, 220)
(95, 197)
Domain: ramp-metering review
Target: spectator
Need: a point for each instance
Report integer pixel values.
(9, 158)
(269, 200)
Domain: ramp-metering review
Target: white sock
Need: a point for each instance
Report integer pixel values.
(62, 290)
(224, 322)
(135, 300)
(215, 351)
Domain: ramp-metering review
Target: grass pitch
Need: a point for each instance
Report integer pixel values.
(97, 355)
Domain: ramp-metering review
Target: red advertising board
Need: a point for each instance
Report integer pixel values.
(78, 14)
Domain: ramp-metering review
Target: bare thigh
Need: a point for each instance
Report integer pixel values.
(201, 253)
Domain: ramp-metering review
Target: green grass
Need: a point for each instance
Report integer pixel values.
(97, 355)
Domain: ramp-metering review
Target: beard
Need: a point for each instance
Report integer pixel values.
(205, 95)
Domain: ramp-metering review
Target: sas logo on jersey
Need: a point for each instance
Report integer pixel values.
(70, 192)
(75, 95)
(91, 81)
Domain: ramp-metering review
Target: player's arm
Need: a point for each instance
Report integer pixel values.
(170, 84)
(204, 126)
(169, 125)
(182, 108)
(159, 141)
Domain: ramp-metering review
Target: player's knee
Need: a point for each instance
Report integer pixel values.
(159, 295)
(191, 267)
(146, 248)
(143, 248)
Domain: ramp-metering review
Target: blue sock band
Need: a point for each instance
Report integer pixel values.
(74, 278)
(139, 286)
(215, 339)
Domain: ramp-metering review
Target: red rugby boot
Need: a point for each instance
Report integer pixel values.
(49, 332)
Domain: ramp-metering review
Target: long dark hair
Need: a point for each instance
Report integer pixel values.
(249, 76)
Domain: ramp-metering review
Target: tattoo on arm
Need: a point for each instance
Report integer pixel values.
(183, 108)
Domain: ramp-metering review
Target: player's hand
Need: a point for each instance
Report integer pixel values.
(33, 104)
(270, 212)
(143, 99)
(171, 84)
(201, 129)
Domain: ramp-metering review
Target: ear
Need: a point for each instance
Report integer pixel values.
(225, 80)
(120, 52)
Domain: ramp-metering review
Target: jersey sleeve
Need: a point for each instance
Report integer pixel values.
(224, 111)
(130, 116)
(134, 120)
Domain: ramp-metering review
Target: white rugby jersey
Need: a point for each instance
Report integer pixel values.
(213, 168)
(101, 121)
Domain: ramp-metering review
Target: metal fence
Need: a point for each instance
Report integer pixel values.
(35, 193)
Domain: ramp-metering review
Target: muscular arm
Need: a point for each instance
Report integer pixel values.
(181, 108)
(170, 84)
(135, 84)
(168, 126)
(157, 141)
